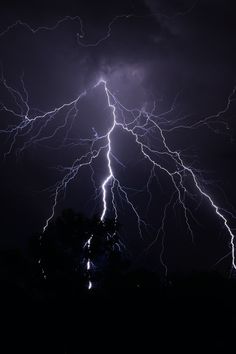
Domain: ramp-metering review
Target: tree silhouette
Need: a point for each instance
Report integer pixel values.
(78, 250)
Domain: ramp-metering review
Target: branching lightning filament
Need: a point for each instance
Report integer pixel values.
(142, 124)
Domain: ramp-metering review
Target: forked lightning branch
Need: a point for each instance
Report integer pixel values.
(142, 124)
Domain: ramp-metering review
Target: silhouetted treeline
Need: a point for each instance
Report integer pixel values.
(126, 310)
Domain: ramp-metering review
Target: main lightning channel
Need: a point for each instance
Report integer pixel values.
(111, 174)
(141, 125)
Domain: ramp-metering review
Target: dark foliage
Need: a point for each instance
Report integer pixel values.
(128, 310)
(62, 252)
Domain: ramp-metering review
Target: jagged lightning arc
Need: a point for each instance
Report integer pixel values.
(141, 124)
(81, 34)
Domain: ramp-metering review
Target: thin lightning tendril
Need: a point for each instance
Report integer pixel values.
(81, 34)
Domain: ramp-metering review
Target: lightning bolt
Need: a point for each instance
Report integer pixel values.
(138, 128)
(141, 125)
(88, 263)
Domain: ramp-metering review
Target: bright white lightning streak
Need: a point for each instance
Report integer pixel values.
(90, 285)
(179, 160)
(111, 175)
(206, 195)
(88, 264)
(135, 129)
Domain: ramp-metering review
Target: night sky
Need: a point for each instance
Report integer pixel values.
(180, 55)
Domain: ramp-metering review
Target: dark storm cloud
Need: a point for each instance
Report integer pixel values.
(129, 35)
(195, 50)
(134, 41)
